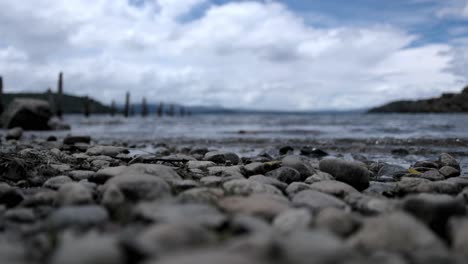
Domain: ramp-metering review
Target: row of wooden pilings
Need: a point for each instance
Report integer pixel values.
(56, 102)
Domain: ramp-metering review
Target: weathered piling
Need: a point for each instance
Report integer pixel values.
(170, 112)
(144, 107)
(58, 101)
(51, 100)
(160, 109)
(127, 105)
(1, 95)
(182, 111)
(86, 106)
(113, 108)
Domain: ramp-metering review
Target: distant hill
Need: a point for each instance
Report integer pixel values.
(71, 104)
(446, 103)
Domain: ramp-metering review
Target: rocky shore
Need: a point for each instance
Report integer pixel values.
(76, 199)
(446, 103)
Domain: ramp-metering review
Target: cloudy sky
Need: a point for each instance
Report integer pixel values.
(288, 54)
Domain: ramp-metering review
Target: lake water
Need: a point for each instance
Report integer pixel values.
(312, 126)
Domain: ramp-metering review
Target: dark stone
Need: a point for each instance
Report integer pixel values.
(14, 133)
(400, 152)
(313, 152)
(299, 163)
(434, 209)
(71, 140)
(27, 113)
(51, 138)
(10, 196)
(446, 159)
(286, 150)
(222, 157)
(285, 174)
(449, 172)
(348, 172)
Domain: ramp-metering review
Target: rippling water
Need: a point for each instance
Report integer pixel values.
(316, 126)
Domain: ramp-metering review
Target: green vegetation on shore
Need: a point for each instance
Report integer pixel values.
(71, 104)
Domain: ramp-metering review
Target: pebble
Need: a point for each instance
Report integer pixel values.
(336, 188)
(83, 216)
(316, 201)
(299, 163)
(73, 193)
(14, 133)
(352, 173)
(260, 205)
(55, 182)
(247, 187)
(222, 157)
(293, 220)
(285, 174)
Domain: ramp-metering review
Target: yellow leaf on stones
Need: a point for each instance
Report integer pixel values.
(413, 171)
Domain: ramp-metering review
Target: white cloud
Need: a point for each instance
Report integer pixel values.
(241, 54)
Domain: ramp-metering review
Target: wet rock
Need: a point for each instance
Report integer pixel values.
(154, 170)
(62, 168)
(260, 205)
(74, 193)
(72, 140)
(336, 188)
(386, 189)
(434, 209)
(247, 224)
(296, 187)
(432, 175)
(319, 176)
(27, 113)
(285, 150)
(348, 172)
(396, 232)
(316, 201)
(247, 187)
(202, 165)
(201, 195)
(449, 172)
(222, 157)
(392, 170)
(90, 248)
(459, 235)
(400, 152)
(339, 222)
(14, 133)
(293, 220)
(55, 182)
(446, 159)
(285, 174)
(20, 215)
(56, 123)
(419, 185)
(162, 239)
(304, 247)
(299, 163)
(140, 186)
(83, 216)
(9, 196)
(212, 181)
(369, 205)
(182, 185)
(313, 152)
(227, 171)
(254, 168)
(269, 180)
(207, 256)
(110, 151)
(79, 175)
(426, 164)
(196, 214)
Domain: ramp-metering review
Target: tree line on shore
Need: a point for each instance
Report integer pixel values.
(62, 103)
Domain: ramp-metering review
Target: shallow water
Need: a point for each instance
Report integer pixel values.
(373, 135)
(268, 126)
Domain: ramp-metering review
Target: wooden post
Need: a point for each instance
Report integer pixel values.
(160, 109)
(182, 111)
(113, 108)
(127, 105)
(171, 110)
(1, 95)
(144, 108)
(132, 110)
(58, 103)
(87, 106)
(50, 98)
